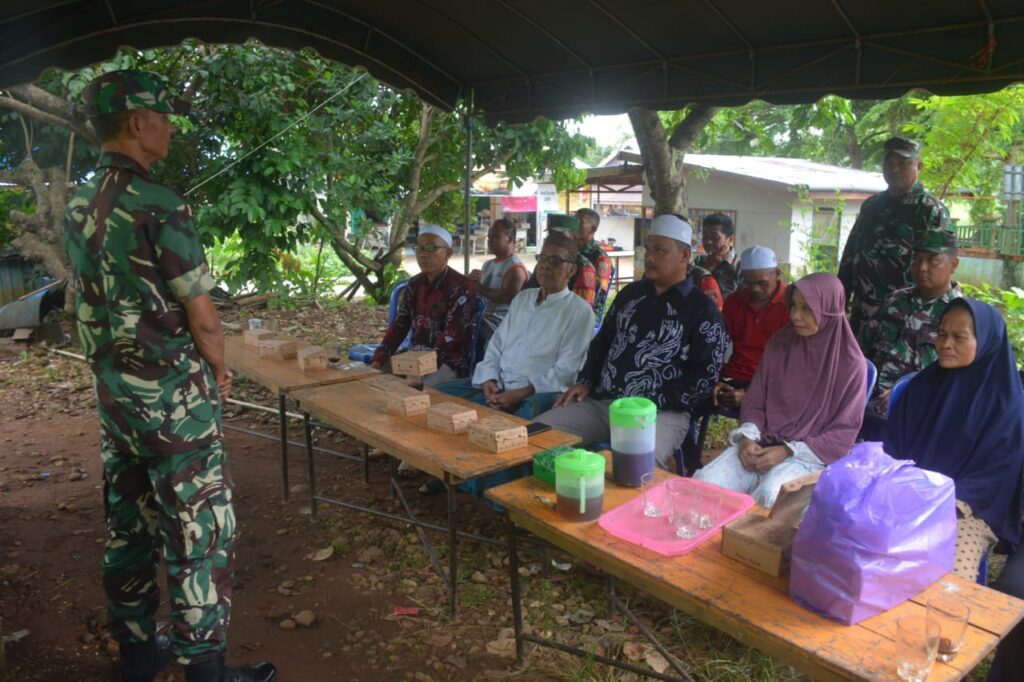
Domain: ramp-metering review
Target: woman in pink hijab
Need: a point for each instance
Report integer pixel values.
(806, 401)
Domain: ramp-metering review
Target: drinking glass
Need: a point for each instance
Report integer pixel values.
(917, 643)
(952, 615)
(255, 323)
(685, 514)
(710, 507)
(650, 509)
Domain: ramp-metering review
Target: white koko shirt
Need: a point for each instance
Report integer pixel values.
(543, 345)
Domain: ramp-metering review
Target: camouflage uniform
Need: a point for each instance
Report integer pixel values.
(901, 338)
(137, 259)
(876, 260)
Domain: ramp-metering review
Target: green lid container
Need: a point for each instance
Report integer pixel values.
(544, 463)
(580, 462)
(632, 413)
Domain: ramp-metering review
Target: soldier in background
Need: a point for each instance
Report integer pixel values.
(901, 338)
(154, 342)
(876, 260)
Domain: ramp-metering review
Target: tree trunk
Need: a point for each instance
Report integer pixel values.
(663, 155)
(853, 148)
(41, 234)
(662, 165)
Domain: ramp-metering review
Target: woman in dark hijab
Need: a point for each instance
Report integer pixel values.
(963, 416)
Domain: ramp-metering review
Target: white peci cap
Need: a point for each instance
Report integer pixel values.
(672, 227)
(758, 258)
(439, 231)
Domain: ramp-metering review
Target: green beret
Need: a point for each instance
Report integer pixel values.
(936, 241)
(563, 222)
(130, 89)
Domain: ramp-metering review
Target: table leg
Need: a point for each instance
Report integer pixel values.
(517, 601)
(392, 479)
(309, 462)
(453, 547)
(284, 442)
(365, 450)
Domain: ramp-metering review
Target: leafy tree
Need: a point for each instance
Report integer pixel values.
(282, 148)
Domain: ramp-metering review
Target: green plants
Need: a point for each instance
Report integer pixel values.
(1010, 302)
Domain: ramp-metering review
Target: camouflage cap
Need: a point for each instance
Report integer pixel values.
(130, 89)
(903, 146)
(936, 241)
(563, 222)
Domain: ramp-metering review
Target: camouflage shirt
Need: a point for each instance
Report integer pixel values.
(876, 260)
(137, 259)
(901, 338)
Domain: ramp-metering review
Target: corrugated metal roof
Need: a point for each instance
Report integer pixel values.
(17, 277)
(792, 172)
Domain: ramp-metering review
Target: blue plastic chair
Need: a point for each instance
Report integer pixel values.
(478, 319)
(872, 378)
(897, 389)
(363, 352)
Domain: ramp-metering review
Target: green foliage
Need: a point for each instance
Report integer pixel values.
(968, 139)
(390, 276)
(1010, 302)
(11, 199)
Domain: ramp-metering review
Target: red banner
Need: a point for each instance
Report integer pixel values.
(519, 204)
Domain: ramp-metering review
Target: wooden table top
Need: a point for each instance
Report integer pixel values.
(753, 607)
(360, 410)
(284, 376)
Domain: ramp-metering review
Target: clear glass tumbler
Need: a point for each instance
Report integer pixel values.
(917, 643)
(952, 615)
(650, 507)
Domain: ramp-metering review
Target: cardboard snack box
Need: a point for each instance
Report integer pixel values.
(766, 542)
(497, 434)
(414, 363)
(450, 418)
(278, 349)
(312, 359)
(252, 337)
(407, 402)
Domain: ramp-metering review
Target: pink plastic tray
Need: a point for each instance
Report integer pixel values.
(657, 534)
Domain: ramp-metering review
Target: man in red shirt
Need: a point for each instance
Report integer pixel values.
(752, 314)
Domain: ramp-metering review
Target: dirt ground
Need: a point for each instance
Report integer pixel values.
(52, 530)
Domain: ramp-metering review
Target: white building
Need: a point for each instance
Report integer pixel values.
(801, 209)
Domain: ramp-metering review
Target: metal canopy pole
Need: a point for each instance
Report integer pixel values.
(467, 122)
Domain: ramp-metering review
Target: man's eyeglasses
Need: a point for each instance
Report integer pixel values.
(432, 248)
(553, 261)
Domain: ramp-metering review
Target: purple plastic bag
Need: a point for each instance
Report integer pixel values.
(877, 532)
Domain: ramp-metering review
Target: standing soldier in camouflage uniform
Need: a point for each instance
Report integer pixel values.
(901, 338)
(876, 260)
(154, 342)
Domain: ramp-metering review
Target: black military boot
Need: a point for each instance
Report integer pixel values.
(141, 661)
(213, 670)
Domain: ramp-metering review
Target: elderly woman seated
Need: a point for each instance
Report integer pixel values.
(963, 416)
(806, 401)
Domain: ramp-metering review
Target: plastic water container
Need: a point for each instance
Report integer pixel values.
(632, 425)
(579, 484)
(362, 352)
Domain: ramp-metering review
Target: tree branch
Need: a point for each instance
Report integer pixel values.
(45, 117)
(353, 252)
(691, 127)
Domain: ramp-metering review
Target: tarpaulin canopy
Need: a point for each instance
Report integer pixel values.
(526, 58)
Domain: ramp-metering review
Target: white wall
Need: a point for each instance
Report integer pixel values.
(763, 210)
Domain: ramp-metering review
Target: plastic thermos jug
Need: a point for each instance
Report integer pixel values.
(579, 484)
(632, 424)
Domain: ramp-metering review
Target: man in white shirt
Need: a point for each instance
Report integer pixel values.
(542, 343)
(534, 355)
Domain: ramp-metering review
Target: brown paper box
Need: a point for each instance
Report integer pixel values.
(408, 402)
(312, 359)
(415, 363)
(450, 418)
(497, 434)
(278, 349)
(765, 542)
(252, 337)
